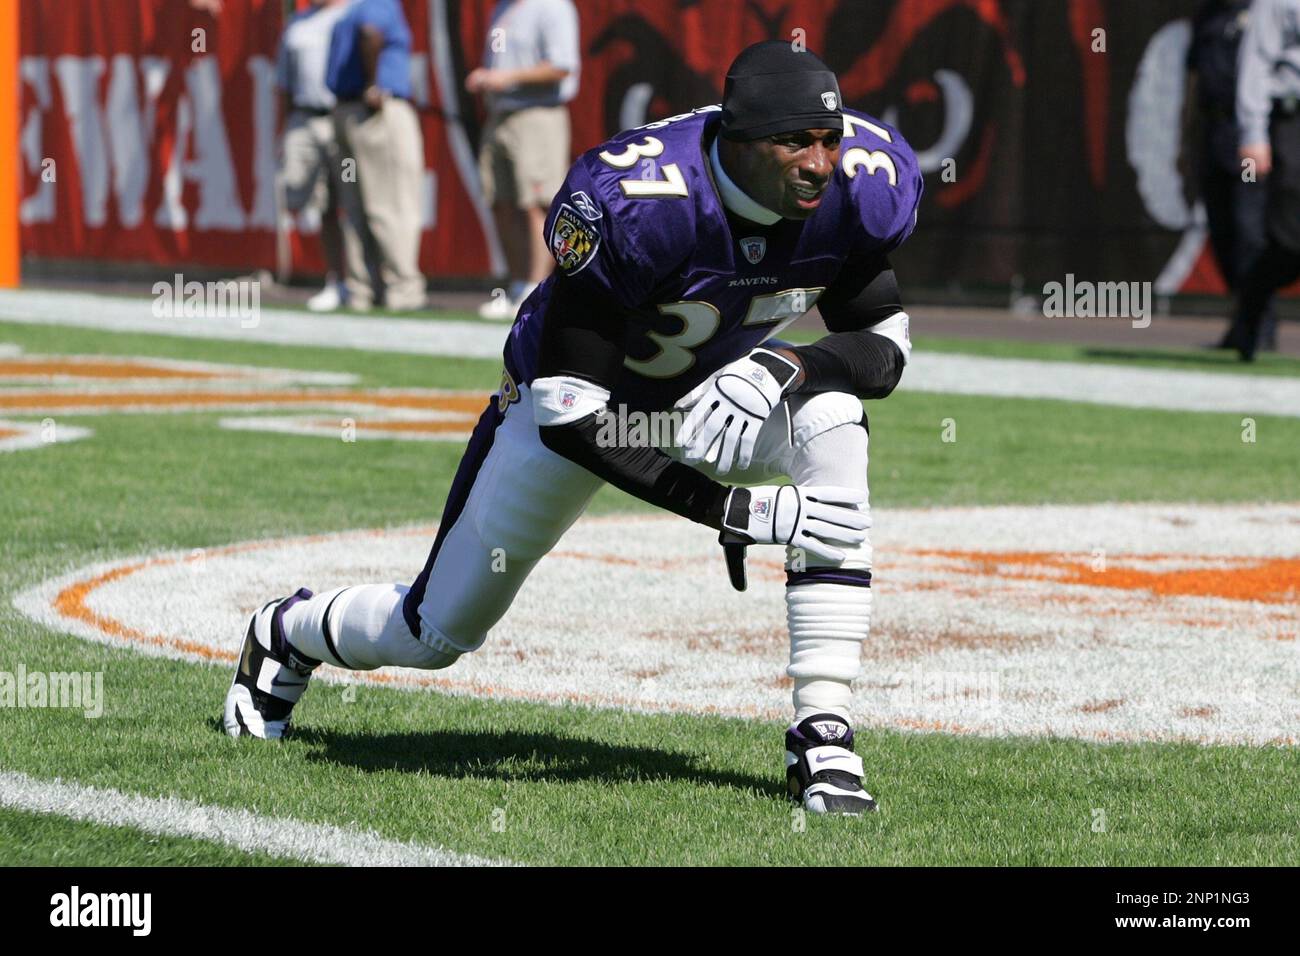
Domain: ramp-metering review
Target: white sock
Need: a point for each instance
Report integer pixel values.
(366, 627)
(828, 623)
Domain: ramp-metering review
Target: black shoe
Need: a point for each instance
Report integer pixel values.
(270, 675)
(822, 771)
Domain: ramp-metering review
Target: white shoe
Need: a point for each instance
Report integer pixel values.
(270, 676)
(822, 771)
(328, 299)
(499, 308)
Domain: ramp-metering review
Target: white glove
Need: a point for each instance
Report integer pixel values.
(732, 407)
(812, 517)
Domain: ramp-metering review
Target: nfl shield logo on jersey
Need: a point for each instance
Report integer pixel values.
(754, 248)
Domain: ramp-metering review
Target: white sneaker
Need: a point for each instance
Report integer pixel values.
(269, 677)
(822, 771)
(328, 299)
(499, 308)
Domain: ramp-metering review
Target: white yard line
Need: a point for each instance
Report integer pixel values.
(1131, 387)
(168, 816)
(32, 435)
(275, 326)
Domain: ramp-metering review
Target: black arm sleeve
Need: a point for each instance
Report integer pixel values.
(853, 359)
(584, 338)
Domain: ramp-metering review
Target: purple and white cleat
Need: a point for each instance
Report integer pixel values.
(270, 676)
(821, 770)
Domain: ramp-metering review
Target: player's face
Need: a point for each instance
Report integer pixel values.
(789, 172)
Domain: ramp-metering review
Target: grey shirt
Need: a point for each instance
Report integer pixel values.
(525, 33)
(304, 56)
(1269, 68)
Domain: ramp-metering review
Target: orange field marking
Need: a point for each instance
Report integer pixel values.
(72, 602)
(120, 387)
(36, 402)
(1268, 580)
(105, 369)
(415, 428)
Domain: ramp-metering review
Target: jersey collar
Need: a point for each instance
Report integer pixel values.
(735, 198)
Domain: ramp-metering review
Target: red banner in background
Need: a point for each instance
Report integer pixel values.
(148, 134)
(148, 128)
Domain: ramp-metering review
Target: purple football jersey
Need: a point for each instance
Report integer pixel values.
(639, 221)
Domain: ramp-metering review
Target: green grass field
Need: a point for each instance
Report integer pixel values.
(537, 783)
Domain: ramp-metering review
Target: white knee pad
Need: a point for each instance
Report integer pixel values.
(812, 415)
(360, 628)
(446, 649)
(830, 448)
(369, 631)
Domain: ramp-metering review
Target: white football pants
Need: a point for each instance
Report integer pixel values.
(513, 499)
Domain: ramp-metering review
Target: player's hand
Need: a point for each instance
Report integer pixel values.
(731, 408)
(485, 80)
(813, 517)
(1261, 154)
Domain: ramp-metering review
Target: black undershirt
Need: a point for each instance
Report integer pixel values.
(584, 337)
(853, 359)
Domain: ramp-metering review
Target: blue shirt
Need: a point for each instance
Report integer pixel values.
(346, 76)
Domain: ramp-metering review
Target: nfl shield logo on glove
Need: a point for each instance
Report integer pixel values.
(761, 507)
(754, 248)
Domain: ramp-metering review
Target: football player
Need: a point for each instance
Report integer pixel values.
(682, 247)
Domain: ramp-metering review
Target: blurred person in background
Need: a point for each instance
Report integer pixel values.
(1268, 108)
(377, 126)
(1237, 210)
(529, 73)
(311, 153)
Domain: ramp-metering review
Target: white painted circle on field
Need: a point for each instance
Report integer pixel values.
(1106, 622)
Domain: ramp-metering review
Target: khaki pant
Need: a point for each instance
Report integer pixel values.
(387, 189)
(311, 163)
(525, 156)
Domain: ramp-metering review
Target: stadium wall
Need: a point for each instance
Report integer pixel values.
(1049, 147)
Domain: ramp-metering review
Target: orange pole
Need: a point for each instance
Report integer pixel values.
(9, 181)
